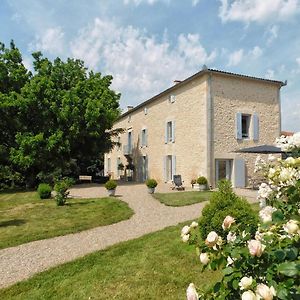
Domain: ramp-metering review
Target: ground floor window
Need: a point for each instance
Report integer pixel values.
(109, 165)
(169, 167)
(223, 169)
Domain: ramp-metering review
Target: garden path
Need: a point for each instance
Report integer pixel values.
(21, 262)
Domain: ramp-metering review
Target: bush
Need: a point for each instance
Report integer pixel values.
(61, 187)
(151, 183)
(225, 202)
(110, 185)
(44, 191)
(202, 180)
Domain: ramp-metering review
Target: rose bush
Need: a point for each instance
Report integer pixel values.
(264, 265)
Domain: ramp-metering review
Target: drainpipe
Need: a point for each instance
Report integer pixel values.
(279, 103)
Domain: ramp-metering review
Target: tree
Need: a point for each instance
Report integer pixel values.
(63, 116)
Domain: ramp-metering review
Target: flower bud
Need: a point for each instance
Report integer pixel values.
(248, 295)
(245, 283)
(204, 258)
(194, 224)
(256, 248)
(291, 226)
(191, 293)
(265, 292)
(185, 238)
(185, 230)
(211, 239)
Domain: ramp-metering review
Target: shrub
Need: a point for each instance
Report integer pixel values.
(61, 187)
(151, 183)
(225, 202)
(44, 191)
(202, 180)
(110, 185)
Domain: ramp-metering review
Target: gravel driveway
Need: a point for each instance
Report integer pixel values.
(21, 262)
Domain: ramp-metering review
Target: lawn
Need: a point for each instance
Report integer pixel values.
(155, 266)
(182, 198)
(24, 217)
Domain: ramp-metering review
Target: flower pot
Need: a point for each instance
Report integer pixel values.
(202, 187)
(111, 192)
(151, 190)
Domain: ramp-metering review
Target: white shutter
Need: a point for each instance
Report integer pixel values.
(238, 126)
(239, 173)
(146, 137)
(255, 127)
(165, 168)
(166, 133)
(173, 166)
(173, 131)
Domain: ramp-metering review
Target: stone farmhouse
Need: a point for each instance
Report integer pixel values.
(194, 128)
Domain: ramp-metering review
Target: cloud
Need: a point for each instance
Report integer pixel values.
(256, 52)
(235, 57)
(270, 74)
(273, 33)
(151, 2)
(52, 41)
(298, 61)
(258, 10)
(140, 64)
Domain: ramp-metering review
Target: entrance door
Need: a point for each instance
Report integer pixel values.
(223, 169)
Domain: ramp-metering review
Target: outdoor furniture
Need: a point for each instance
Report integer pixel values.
(85, 178)
(177, 183)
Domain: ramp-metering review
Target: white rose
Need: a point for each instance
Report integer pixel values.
(191, 293)
(185, 238)
(256, 248)
(266, 213)
(231, 237)
(204, 258)
(227, 222)
(291, 227)
(248, 295)
(185, 230)
(265, 292)
(211, 239)
(194, 224)
(245, 283)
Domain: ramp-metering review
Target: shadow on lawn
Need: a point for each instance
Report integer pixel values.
(14, 222)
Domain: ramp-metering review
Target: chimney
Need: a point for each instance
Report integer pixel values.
(129, 107)
(176, 81)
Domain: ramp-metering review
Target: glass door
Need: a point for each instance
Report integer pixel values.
(223, 169)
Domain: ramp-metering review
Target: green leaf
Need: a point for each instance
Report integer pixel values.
(279, 254)
(277, 216)
(217, 287)
(228, 271)
(289, 269)
(291, 253)
(235, 284)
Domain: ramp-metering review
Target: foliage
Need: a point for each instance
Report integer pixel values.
(120, 166)
(54, 121)
(193, 181)
(202, 180)
(110, 185)
(151, 183)
(225, 202)
(44, 191)
(265, 265)
(130, 167)
(61, 188)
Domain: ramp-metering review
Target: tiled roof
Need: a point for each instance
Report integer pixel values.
(287, 133)
(205, 70)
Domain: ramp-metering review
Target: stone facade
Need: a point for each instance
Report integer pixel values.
(202, 111)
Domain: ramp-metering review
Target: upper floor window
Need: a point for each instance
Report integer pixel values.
(170, 132)
(144, 137)
(145, 110)
(172, 98)
(247, 126)
(119, 143)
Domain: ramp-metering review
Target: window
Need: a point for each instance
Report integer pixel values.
(108, 166)
(144, 137)
(169, 167)
(245, 126)
(145, 110)
(172, 98)
(118, 163)
(170, 132)
(119, 143)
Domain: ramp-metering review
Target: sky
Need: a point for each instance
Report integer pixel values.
(147, 44)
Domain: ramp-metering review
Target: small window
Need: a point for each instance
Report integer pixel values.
(169, 132)
(145, 110)
(245, 126)
(129, 119)
(108, 166)
(119, 143)
(144, 138)
(172, 98)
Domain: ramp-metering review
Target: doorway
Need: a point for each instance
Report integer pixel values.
(223, 169)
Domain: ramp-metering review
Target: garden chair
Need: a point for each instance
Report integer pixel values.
(177, 183)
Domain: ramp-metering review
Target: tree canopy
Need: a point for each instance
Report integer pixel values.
(53, 121)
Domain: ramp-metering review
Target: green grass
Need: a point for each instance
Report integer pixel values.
(182, 198)
(24, 217)
(155, 266)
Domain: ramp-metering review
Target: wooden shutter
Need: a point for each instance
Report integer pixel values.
(255, 127)
(238, 125)
(239, 173)
(173, 131)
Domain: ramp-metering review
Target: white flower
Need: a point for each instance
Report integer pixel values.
(230, 261)
(211, 239)
(291, 227)
(194, 224)
(231, 237)
(264, 191)
(227, 222)
(266, 213)
(185, 238)
(290, 161)
(265, 292)
(204, 258)
(245, 283)
(191, 293)
(271, 158)
(248, 295)
(256, 248)
(185, 230)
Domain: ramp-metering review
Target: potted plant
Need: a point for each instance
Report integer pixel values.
(111, 186)
(202, 181)
(151, 184)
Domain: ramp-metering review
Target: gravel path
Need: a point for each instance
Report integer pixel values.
(21, 262)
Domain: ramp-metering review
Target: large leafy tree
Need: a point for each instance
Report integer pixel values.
(61, 116)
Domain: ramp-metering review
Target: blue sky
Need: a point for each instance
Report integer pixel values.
(146, 44)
